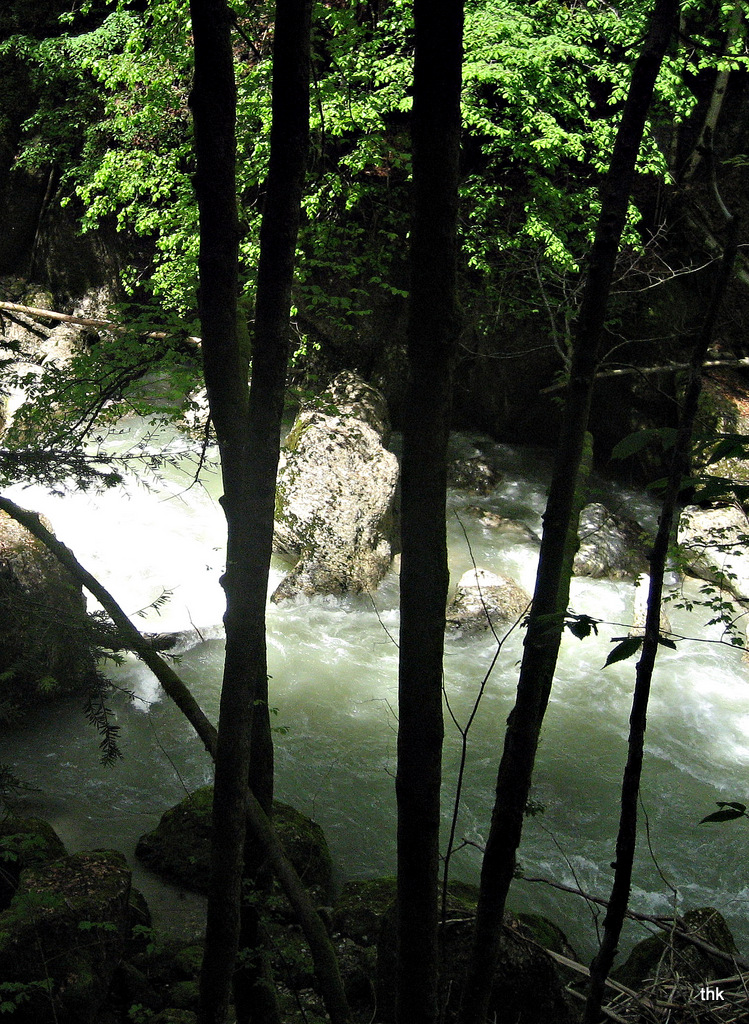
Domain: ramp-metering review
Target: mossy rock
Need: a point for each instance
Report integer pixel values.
(180, 846)
(652, 956)
(24, 843)
(172, 1016)
(360, 907)
(183, 995)
(306, 847)
(547, 934)
(63, 935)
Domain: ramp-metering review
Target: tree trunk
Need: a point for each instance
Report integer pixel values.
(717, 96)
(247, 427)
(433, 329)
(680, 462)
(559, 540)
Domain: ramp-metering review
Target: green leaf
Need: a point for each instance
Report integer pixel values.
(634, 443)
(582, 625)
(728, 813)
(629, 645)
(666, 641)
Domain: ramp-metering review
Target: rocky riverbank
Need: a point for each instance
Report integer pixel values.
(77, 946)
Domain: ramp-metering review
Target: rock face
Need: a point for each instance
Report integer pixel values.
(713, 545)
(483, 596)
(611, 546)
(63, 936)
(180, 846)
(335, 493)
(45, 646)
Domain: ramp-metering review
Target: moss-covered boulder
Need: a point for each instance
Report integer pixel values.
(24, 843)
(666, 955)
(62, 937)
(180, 846)
(360, 908)
(45, 638)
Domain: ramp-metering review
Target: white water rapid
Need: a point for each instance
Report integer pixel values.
(333, 664)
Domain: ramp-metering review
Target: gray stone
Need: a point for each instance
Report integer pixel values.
(640, 608)
(335, 493)
(611, 545)
(481, 597)
(713, 547)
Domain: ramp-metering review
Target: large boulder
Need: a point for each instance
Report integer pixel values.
(713, 547)
(667, 956)
(63, 936)
(612, 546)
(483, 598)
(180, 846)
(335, 493)
(45, 634)
(24, 843)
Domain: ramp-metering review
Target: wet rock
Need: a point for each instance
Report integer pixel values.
(640, 608)
(63, 935)
(666, 956)
(335, 493)
(713, 547)
(510, 528)
(612, 546)
(180, 846)
(45, 636)
(476, 472)
(483, 597)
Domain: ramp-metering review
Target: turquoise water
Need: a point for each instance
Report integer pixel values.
(334, 668)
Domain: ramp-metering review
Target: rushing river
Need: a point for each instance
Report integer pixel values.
(333, 664)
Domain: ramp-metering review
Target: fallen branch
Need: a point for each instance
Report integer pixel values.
(660, 922)
(82, 321)
(259, 824)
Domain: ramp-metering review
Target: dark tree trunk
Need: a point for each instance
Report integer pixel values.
(559, 540)
(247, 426)
(433, 329)
(679, 471)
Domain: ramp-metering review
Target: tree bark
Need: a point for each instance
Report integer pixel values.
(248, 431)
(546, 621)
(679, 470)
(432, 337)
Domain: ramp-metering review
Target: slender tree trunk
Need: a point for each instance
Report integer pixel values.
(717, 97)
(559, 540)
(270, 353)
(433, 329)
(247, 427)
(627, 835)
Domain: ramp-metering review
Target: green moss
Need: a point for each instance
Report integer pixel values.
(180, 846)
(24, 843)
